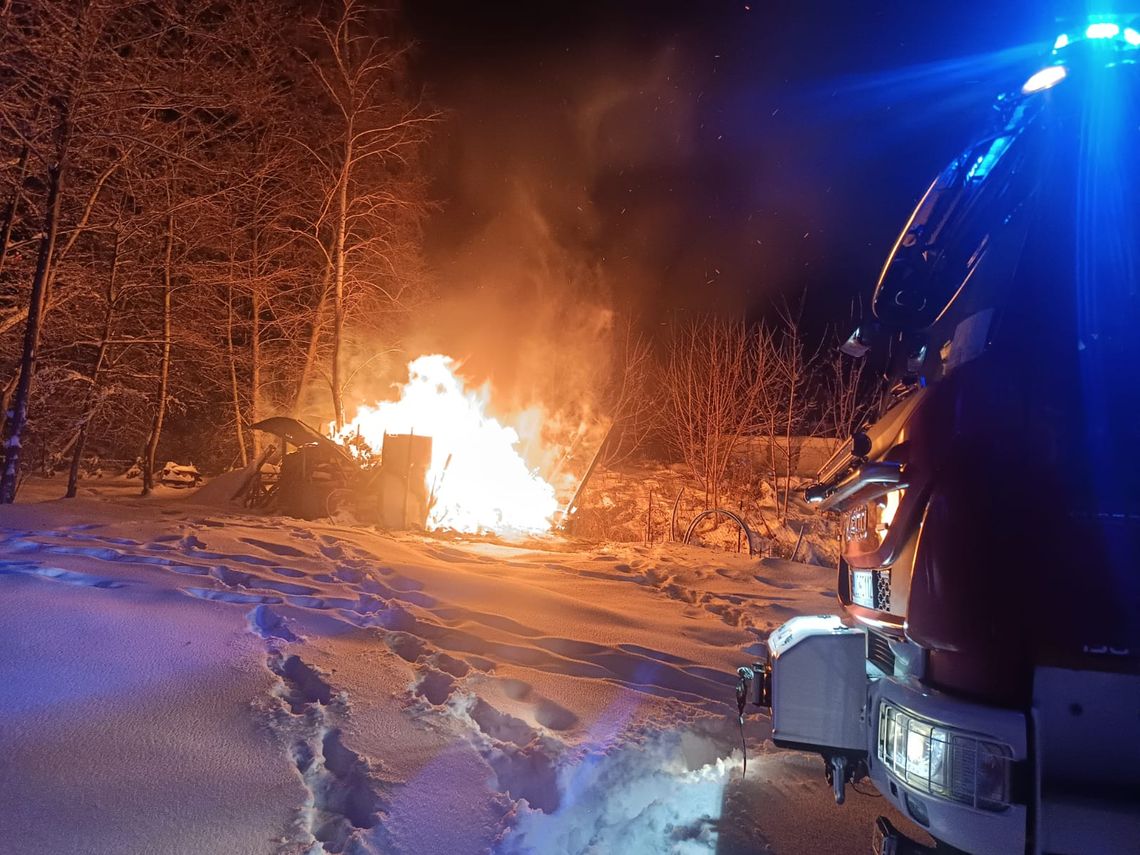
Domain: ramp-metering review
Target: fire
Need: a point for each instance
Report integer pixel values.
(479, 480)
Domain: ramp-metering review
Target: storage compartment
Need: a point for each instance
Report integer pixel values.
(819, 684)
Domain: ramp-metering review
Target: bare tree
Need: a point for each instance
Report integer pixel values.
(845, 395)
(628, 399)
(713, 385)
(793, 368)
(15, 424)
(214, 201)
(97, 368)
(371, 201)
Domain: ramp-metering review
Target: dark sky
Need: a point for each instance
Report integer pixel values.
(669, 157)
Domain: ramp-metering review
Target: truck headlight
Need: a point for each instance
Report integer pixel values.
(943, 762)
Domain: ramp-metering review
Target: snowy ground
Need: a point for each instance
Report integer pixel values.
(178, 678)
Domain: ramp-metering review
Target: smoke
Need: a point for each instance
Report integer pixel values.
(538, 258)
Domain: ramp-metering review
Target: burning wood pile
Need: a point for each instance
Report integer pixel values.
(434, 459)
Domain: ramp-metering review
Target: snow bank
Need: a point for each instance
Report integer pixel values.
(661, 791)
(218, 491)
(182, 680)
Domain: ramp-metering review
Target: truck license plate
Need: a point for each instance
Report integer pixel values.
(863, 589)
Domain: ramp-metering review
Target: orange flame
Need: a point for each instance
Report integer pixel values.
(479, 480)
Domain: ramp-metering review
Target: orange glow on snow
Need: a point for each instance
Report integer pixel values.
(479, 479)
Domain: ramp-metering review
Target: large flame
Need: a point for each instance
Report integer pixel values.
(479, 480)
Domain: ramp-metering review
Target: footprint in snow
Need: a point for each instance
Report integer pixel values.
(372, 586)
(268, 624)
(231, 596)
(481, 663)
(332, 551)
(287, 571)
(348, 573)
(499, 725)
(344, 797)
(58, 574)
(449, 664)
(279, 549)
(775, 583)
(302, 684)
(434, 686)
(408, 647)
(191, 542)
(117, 541)
(240, 579)
(516, 690)
(554, 717)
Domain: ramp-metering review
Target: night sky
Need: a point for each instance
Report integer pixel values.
(699, 155)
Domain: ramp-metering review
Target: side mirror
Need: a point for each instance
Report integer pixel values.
(858, 343)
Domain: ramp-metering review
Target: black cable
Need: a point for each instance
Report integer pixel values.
(744, 750)
(746, 676)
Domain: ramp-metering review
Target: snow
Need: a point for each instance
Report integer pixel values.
(182, 678)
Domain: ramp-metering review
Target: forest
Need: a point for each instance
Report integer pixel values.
(207, 220)
(196, 206)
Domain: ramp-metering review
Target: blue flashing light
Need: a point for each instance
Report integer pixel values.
(1132, 37)
(1044, 79)
(1062, 41)
(1103, 30)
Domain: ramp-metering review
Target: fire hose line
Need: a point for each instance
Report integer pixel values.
(736, 518)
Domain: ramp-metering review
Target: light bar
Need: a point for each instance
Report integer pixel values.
(1132, 37)
(1102, 30)
(1062, 41)
(1044, 79)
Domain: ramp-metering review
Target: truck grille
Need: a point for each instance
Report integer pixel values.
(879, 652)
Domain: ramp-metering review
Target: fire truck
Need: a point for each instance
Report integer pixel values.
(984, 670)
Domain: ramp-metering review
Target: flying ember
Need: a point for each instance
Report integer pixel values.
(477, 476)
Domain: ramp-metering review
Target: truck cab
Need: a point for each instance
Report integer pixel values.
(990, 513)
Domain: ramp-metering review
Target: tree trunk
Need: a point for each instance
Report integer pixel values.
(164, 369)
(6, 399)
(96, 370)
(255, 407)
(314, 345)
(338, 279)
(12, 209)
(234, 388)
(18, 417)
(792, 382)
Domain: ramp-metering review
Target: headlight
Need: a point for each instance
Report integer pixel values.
(865, 527)
(943, 762)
